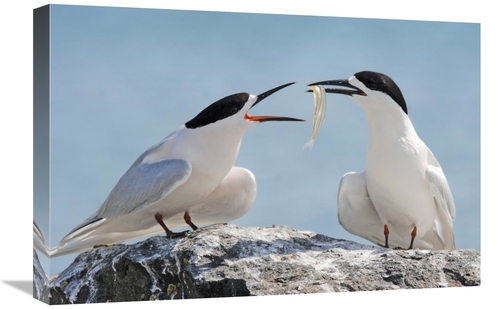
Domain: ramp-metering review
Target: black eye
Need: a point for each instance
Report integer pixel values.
(372, 85)
(219, 110)
(382, 83)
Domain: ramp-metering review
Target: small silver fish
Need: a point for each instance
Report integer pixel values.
(319, 112)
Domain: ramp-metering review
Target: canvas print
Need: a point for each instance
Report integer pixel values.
(193, 154)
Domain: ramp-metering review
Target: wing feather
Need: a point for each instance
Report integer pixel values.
(144, 184)
(445, 205)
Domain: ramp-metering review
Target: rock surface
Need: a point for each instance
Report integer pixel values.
(40, 281)
(227, 260)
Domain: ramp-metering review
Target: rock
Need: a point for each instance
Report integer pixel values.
(40, 281)
(226, 260)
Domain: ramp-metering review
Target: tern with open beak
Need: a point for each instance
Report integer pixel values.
(187, 177)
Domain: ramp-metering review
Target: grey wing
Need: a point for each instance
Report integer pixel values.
(445, 206)
(141, 186)
(144, 184)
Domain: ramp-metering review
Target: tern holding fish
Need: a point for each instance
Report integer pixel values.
(402, 199)
(188, 176)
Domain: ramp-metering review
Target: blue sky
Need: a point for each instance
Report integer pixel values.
(122, 79)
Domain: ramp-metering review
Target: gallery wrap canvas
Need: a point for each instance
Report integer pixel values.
(111, 82)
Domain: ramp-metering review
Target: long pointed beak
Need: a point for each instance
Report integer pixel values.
(339, 82)
(261, 97)
(264, 95)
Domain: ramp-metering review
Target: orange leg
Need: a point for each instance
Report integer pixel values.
(170, 234)
(413, 235)
(386, 234)
(187, 219)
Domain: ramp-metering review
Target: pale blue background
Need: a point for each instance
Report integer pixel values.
(122, 79)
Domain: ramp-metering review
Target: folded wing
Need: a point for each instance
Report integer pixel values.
(445, 206)
(141, 186)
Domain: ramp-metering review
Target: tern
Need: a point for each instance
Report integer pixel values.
(188, 176)
(403, 196)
